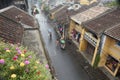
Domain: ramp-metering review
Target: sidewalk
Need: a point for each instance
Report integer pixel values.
(33, 41)
(94, 73)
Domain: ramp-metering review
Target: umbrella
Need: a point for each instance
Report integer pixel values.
(49, 30)
(62, 41)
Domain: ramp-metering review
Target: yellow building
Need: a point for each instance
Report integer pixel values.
(92, 42)
(87, 2)
(76, 31)
(110, 55)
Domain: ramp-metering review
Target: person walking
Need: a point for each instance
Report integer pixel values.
(50, 33)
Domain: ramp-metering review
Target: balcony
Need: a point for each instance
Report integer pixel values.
(90, 39)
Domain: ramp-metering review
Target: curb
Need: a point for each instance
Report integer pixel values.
(52, 70)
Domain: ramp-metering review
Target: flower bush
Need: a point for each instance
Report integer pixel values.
(17, 63)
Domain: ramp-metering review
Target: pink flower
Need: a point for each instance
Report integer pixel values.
(17, 48)
(19, 52)
(6, 48)
(16, 56)
(29, 56)
(2, 61)
(47, 66)
(18, 44)
(12, 45)
(27, 62)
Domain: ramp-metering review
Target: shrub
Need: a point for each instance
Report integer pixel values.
(97, 59)
(18, 63)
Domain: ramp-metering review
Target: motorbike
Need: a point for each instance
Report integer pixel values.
(62, 44)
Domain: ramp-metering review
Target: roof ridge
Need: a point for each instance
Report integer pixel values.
(104, 13)
(22, 11)
(12, 6)
(10, 19)
(112, 27)
(5, 9)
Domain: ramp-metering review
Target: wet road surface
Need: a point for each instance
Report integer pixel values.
(65, 65)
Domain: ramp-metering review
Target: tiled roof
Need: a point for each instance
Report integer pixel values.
(13, 12)
(10, 30)
(61, 12)
(64, 13)
(89, 14)
(83, 8)
(114, 32)
(61, 15)
(103, 22)
(56, 8)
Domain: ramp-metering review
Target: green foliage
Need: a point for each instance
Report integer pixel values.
(46, 8)
(97, 59)
(18, 63)
(112, 4)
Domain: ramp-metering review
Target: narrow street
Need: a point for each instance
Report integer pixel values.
(65, 65)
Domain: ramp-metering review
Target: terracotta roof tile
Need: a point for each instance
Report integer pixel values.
(56, 8)
(103, 22)
(13, 12)
(63, 14)
(89, 14)
(114, 32)
(10, 30)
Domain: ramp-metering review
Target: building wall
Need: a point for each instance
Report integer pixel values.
(51, 16)
(84, 44)
(72, 26)
(5, 3)
(110, 48)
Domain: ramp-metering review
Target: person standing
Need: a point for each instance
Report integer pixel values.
(57, 42)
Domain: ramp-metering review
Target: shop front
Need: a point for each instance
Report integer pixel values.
(112, 65)
(89, 51)
(75, 36)
(88, 45)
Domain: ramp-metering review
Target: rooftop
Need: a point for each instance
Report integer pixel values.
(103, 22)
(114, 32)
(67, 13)
(89, 14)
(9, 30)
(56, 8)
(14, 13)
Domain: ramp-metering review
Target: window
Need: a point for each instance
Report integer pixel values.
(111, 63)
(118, 43)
